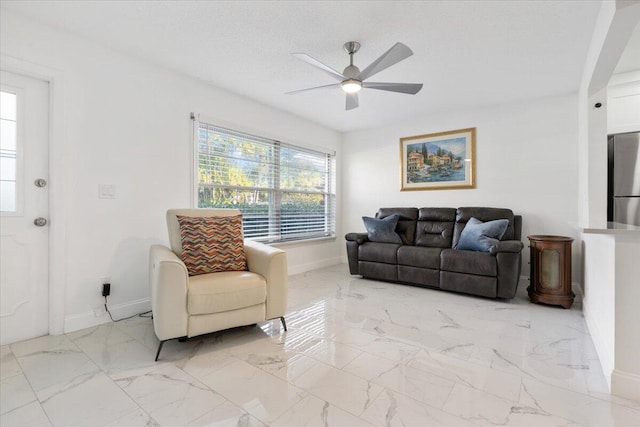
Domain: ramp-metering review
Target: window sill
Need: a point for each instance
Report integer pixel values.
(296, 242)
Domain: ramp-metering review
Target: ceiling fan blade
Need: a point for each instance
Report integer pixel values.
(352, 101)
(312, 61)
(408, 88)
(397, 53)
(331, 86)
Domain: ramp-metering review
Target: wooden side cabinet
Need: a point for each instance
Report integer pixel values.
(551, 270)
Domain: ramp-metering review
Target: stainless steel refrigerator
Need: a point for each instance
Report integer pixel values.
(624, 178)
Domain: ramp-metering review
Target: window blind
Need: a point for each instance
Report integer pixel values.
(285, 192)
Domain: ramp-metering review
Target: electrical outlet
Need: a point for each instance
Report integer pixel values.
(102, 281)
(99, 311)
(106, 289)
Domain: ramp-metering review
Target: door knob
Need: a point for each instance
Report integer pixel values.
(40, 182)
(40, 222)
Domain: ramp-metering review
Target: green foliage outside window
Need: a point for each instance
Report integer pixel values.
(285, 189)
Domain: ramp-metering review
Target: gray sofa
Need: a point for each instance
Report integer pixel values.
(428, 256)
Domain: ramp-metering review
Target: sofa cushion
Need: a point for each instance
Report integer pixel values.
(437, 214)
(211, 244)
(469, 284)
(378, 271)
(378, 252)
(435, 227)
(419, 276)
(417, 256)
(382, 230)
(478, 263)
(482, 236)
(483, 214)
(434, 234)
(225, 291)
(406, 227)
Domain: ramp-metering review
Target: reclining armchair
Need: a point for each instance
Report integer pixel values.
(187, 305)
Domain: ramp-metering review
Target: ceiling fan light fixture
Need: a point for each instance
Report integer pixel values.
(352, 80)
(351, 86)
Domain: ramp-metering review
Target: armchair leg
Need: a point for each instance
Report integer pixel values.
(160, 348)
(181, 339)
(284, 324)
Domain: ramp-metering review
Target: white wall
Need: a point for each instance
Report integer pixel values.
(599, 302)
(589, 169)
(525, 160)
(611, 268)
(625, 378)
(126, 123)
(623, 103)
(614, 26)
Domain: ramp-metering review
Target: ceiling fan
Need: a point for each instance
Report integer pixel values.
(352, 79)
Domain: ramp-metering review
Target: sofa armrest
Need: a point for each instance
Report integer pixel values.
(508, 255)
(514, 246)
(270, 263)
(168, 279)
(354, 240)
(359, 238)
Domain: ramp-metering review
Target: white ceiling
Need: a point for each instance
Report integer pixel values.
(467, 53)
(630, 59)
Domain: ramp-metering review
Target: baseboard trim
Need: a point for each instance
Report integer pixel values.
(577, 290)
(303, 268)
(76, 322)
(130, 308)
(626, 385)
(88, 319)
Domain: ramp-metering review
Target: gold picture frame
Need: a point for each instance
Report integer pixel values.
(438, 161)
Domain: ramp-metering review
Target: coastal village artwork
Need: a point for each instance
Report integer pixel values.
(438, 161)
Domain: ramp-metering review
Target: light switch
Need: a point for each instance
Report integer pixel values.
(106, 191)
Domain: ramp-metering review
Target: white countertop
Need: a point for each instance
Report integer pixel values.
(613, 228)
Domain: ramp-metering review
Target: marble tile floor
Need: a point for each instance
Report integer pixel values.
(357, 353)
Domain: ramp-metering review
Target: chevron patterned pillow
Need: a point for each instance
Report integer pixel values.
(212, 244)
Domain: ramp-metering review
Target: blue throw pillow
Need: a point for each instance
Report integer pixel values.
(482, 236)
(382, 230)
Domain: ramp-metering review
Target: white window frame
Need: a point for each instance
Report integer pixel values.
(330, 185)
(19, 190)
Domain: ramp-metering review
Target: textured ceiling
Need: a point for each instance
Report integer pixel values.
(467, 53)
(630, 59)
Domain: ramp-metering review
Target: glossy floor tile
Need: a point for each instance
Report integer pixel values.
(357, 353)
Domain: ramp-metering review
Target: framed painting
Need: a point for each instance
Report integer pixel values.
(438, 161)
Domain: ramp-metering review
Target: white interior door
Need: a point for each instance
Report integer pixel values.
(24, 208)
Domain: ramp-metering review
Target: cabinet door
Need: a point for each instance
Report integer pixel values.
(549, 265)
(552, 267)
(623, 109)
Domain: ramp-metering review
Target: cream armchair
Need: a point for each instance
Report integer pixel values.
(185, 306)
